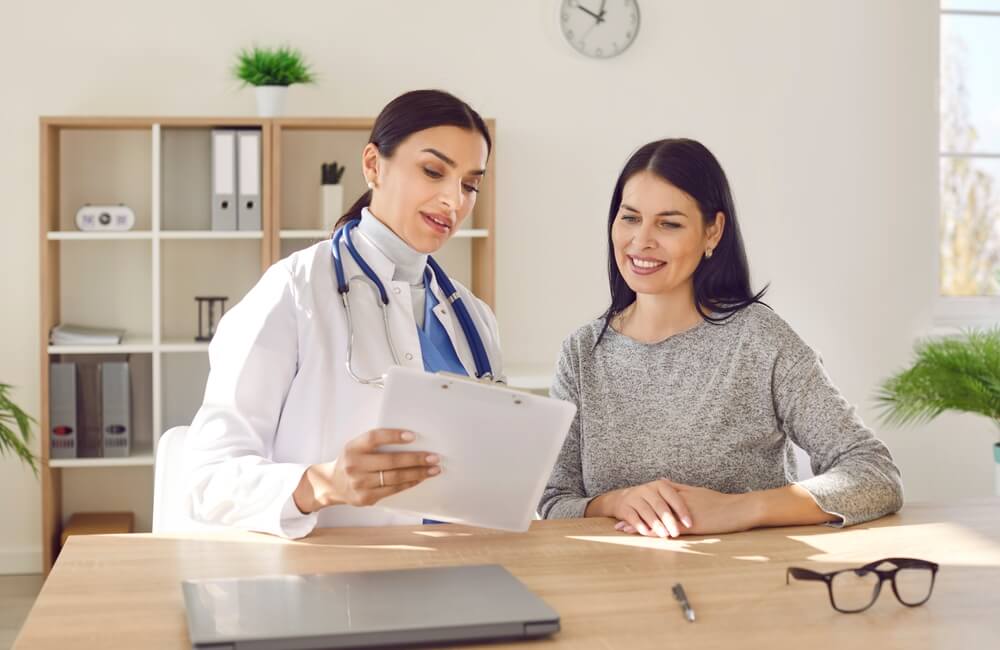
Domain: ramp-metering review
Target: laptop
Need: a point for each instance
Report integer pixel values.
(365, 609)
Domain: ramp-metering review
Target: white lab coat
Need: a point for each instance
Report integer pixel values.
(279, 398)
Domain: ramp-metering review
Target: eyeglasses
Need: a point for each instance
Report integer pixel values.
(855, 590)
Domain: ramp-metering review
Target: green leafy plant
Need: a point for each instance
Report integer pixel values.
(950, 374)
(283, 66)
(11, 415)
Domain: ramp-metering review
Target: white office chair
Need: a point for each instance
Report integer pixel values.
(170, 507)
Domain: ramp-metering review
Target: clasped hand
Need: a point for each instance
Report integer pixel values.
(663, 508)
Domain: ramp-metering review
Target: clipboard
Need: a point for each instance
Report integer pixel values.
(497, 447)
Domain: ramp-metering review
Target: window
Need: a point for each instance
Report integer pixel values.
(969, 257)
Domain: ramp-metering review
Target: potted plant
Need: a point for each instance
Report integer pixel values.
(271, 72)
(960, 373)
(12, 442)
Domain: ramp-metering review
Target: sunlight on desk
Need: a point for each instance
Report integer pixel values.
(382, 547)
(655, 543)
(440, 533)
(240, 537)
(233, 536)
(945, 543)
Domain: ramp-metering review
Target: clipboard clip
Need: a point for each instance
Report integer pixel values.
(485, 379)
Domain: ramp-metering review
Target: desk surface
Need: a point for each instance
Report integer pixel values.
(612, 590)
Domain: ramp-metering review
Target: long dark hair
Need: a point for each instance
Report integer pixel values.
(411, 112)
(721, 282)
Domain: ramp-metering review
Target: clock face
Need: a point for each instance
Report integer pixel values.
(599, 28)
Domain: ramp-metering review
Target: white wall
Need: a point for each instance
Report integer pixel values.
(823, 114)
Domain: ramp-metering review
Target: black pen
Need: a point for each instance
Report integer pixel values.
(683, 600)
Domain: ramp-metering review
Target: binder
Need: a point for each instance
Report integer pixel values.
(248, 179)
(62, 410)
(116, 409)
(88, 407)
(224, 179)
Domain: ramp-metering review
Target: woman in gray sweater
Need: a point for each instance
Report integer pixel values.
(690, 391)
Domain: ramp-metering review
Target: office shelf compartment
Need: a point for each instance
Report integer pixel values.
(104, 167)
(106, 284)
(186, 179)
(183, 386)
(185, 164)
(88, 412)
(203, 268)
(302, 154)
(118, 488)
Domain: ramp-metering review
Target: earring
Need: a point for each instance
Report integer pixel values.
(371, 185)
(708, 253)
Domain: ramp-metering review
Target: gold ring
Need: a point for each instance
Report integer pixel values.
(381, 478)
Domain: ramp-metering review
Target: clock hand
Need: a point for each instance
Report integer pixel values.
(586, 33)
(601, 12)
(597, 18)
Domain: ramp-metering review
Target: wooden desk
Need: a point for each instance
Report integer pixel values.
(612, 590)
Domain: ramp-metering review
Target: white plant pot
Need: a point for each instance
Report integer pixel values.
(271, 100)
(331, 205)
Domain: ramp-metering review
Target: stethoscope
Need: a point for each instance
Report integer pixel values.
(483, 369)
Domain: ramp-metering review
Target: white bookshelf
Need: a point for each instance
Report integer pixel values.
(101, 236)
(142, 281)
(208, 235)
(182, 346)
(139, 458)
(130, 345)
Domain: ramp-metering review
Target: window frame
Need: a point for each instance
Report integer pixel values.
(958, 311)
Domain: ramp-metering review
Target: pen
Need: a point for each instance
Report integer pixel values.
(683, 600)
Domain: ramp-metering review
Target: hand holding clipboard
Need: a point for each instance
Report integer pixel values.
(497, 447)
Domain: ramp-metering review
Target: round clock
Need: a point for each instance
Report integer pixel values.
(599, 28)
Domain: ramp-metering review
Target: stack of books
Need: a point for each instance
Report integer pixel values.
(64, 334)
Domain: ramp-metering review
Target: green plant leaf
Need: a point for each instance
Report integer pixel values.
(15, 442)
(951, 374)
(283, 66)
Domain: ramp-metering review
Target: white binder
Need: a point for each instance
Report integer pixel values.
(497, 447)
(248, 179)
(224, 179)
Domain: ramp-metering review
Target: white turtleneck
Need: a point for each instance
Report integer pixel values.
(410, 264)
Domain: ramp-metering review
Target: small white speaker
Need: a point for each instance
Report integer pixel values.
(105, 217)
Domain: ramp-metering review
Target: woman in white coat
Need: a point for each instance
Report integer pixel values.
(285, 439)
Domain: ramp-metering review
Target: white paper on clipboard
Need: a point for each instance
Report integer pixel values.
(497, 447)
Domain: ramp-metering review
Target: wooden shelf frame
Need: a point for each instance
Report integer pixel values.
(481, 238)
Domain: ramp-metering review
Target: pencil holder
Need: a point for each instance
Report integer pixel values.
(331, 202)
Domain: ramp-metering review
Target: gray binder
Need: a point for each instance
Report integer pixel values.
(224, 191)
(116, 409)
(89, 425)
(62, 410)
(248, 179)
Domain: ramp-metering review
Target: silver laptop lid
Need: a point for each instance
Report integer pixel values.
(364, 609)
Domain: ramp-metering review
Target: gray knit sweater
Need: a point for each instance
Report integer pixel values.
(715, 406)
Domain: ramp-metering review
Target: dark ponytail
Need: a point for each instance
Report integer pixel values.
(411, 112)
